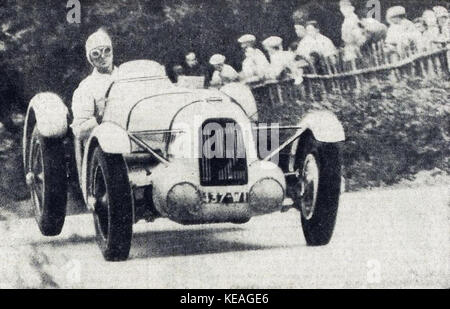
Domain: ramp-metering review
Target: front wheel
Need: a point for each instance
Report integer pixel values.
(318, 189)
(47, 178)
(113, 217)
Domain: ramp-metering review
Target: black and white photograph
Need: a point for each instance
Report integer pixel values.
(199, 145)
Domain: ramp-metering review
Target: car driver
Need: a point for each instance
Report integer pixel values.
(88, 101)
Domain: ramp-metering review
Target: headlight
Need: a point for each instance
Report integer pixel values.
(266, 195)
(183, 197)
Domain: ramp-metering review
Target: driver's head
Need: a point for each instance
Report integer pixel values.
(99, 51)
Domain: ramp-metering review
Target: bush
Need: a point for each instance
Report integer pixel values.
(392, 132)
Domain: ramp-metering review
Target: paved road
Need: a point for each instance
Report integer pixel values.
(383, 239)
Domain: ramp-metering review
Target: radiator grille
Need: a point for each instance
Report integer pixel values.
(223, 158)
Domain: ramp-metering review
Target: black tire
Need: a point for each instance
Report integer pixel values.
(46, 164)
(319, 219)
(113, 215)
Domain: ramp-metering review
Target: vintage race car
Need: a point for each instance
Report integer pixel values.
(192, 156)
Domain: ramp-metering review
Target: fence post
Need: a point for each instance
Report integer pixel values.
(333, 69)
(439, 70)
(357, 77)
(431, 71)
(377, 64)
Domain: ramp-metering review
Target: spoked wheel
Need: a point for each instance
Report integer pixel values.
(109, 187)
(317, 190)
(47, 179)
(309, 186)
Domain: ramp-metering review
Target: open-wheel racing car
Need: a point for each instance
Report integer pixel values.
(188, 155)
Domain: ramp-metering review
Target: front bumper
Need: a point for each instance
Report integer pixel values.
(178, 195)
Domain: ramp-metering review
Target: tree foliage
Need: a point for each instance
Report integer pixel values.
(42, 51)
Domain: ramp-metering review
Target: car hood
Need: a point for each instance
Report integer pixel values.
(155, 110)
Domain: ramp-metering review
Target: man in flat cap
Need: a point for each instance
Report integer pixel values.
(402, 34)
(223, 73)
(88, 99)
(255, 63)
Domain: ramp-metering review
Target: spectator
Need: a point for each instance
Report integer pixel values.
(432, 29)
(443, 24)
(353, 34)
(282, 64)
(424, 42)
(192, 66)
(223, 73)
(177, 71)
(300, 31)
(402, 35)
(315, 42)
(255, 63)
(301, 62)
(374, 30)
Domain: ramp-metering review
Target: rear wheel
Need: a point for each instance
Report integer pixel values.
(109, 187)
(317, 190)
(47, 179)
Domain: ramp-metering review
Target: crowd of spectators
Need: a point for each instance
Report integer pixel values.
(399, 37)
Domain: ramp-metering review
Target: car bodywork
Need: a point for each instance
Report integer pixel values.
(177, 168)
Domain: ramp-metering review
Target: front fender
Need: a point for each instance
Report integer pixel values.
(112, 139)
(49, 113)
(324, 126)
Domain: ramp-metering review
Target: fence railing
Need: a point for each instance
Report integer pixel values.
(337, 76)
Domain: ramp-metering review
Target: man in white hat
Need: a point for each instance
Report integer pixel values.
(223, 73)
(255, 63)
(402, 34)
(282, 63)
(88, 99)
(315, 42)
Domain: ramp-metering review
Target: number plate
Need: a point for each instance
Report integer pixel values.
(225, 198)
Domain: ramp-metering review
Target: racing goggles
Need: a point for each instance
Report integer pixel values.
(100, 51)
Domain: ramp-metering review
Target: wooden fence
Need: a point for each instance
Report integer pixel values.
(337, 76)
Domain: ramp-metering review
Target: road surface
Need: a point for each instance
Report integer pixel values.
(383, 239)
